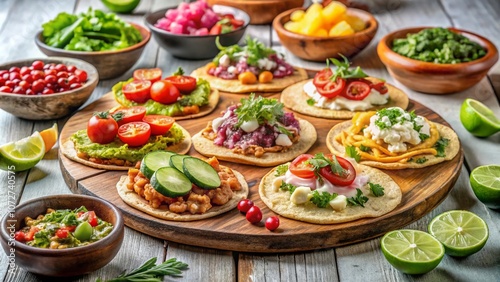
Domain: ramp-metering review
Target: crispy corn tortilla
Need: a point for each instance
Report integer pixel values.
(308, 137)
(279, 201)
(444, 131)
(234, 86)
(135, 201)
(68, 149)
(294, 98)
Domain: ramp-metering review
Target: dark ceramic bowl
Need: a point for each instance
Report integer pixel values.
(52, 106)
(109, 64)
(436, 78)
(196, 47)
(62, 262)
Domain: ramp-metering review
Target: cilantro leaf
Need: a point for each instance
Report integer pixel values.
(288, 187)
(322, 199)
(440, 146)
(281, 170)
(376, 189)
(421, 160)
(343, 71)
(260, 108)
(358, 200)
(256, 50)
(353, 153)
(311, 102)
(364, 148)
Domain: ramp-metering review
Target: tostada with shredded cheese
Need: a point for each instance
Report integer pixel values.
(328, 189)
(256, 131)
(393, 138)
(177, 187)
(340, 93)
(250, 68)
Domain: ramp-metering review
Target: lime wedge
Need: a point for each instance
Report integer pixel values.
(23, 154)
(461, 232)
(412, 251)
(478, 119)
(121, 6)
(485, 182)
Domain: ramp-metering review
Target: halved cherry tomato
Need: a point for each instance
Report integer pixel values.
(135, 133)
(216, 29)
(301, 168)
(322, 77)
(102, 128)
(356, 90)
(380, 87)
(92, 219)
(31, 234)
(164, 92)
(159, 124)
(332, 88)
(152, 75)
(236, 23)
(127, 115)
(137, 90)
(341, 178)
(186, 84)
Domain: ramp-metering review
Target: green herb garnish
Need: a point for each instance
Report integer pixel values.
(358, 200)
(150, 272)
(311, 102)
(376, 189)
(421, 160)
(343, 70)
(364, 148)
(253, 51)
(281, 170)
(288, 187)
(322, 199)
(260, 108)
(353, 153)
(440, 147)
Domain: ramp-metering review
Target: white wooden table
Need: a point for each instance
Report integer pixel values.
(21, 19)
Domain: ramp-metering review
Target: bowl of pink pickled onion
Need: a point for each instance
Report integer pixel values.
(189, 30)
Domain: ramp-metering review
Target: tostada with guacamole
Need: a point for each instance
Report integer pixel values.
(179, 96)
(118, 139)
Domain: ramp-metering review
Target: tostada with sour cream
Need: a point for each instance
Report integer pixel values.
(181, 188)
(340, 93)
(393, 138)
(118, 140)
(250, 68)
(179, 96)
(256, 131)
(328, 189)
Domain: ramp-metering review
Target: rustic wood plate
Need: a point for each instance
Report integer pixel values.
(423, 190)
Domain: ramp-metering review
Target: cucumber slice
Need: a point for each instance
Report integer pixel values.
(176, 161)
(154, 160)
(170, 182)
(201, 173)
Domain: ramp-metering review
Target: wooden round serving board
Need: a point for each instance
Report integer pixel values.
(423, 189)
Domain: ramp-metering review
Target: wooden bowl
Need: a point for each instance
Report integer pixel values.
(319, 49)
(193, 47)
(51, 106)
(62, 262)
(436, 78)
(109, 64)
(260, 11)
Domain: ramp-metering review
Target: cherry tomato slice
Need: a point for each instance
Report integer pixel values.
(92, 219)
(356, 90)
(301, 168)
(380, 87)
(129, 114)
(62, 233)
(216, 29)
(322, 77)
(159, 124)
(135, 133)
(137, 90)
(332, 88)
(344, 178)
(186, 84)
(164, 92)
(152, 75)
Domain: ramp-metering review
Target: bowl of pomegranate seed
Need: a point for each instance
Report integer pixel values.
(45, 88)
(191, 30)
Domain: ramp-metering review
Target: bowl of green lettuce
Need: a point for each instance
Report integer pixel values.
(102, 39)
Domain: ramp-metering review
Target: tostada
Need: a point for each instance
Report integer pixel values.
(251, 68)
(340, 93)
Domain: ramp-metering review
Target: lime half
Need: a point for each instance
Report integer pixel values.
(23, 154)
(478, 119)
(485, 182)
(461, 232)
(121, 6)
(412, 251)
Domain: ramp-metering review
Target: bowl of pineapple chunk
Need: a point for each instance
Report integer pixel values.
(321, 32)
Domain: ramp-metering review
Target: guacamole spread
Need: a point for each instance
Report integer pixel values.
(198, 97)
(119, 150)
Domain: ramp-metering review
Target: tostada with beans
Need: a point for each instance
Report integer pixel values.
(119, 138)
(179, 187)
(62, 229)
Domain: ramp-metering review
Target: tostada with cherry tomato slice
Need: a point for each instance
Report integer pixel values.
(178, 95)
(340, 92)
(119, 138)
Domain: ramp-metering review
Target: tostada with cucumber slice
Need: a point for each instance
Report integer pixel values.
(178, 95)
(179, 187)
(119, 138)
